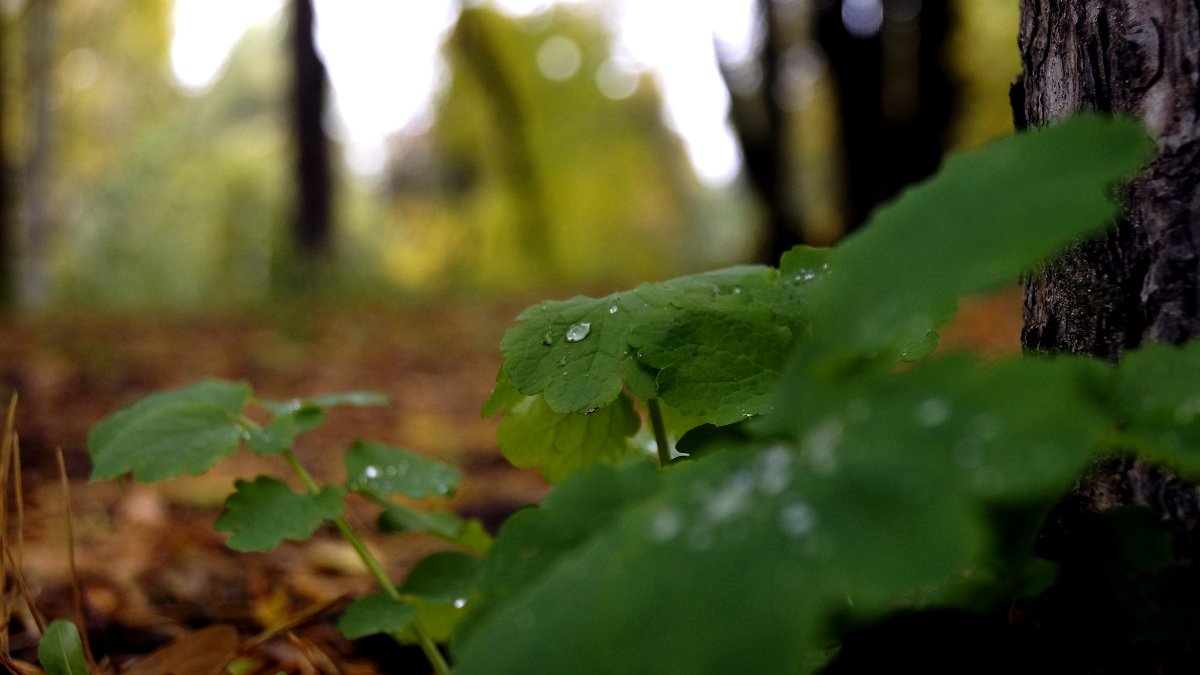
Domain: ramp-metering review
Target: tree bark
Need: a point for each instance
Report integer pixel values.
(313, 220)
(1138, 283)
(1141, 58)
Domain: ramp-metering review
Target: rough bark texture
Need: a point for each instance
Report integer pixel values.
(1138, 283)
(1137, 57)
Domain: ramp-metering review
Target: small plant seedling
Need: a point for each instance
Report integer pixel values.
(189, 430)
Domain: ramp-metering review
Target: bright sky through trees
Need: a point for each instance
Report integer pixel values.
(383, 62)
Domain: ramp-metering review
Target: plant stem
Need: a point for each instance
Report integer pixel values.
(660, 431)
(427, 644)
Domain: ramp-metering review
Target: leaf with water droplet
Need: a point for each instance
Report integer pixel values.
(262, 514)
(534, 435)
(383, 470)
(168, 434)
(593, 361)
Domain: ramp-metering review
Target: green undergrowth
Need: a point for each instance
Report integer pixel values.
(751, 463)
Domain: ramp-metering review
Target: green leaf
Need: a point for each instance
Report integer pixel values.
(280, 433)
(614, 557)
(983, 219)
(533, 434)
(444, 577)
(165, 435)
(61, 650)
(441, 586)
(384, 470)
(376, 613)
(402, 518)
(878, 495)
(576, 352)
(721, 360)
(1157, 404)
(262, 514)
(502, 399)
(349, 398)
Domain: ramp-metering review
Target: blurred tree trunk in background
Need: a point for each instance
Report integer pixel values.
(764, 131)
(1139, 283)
(476, 40)
(313, 219)
(8, 254)
(894, 93)
(37, 184)
(893, 96)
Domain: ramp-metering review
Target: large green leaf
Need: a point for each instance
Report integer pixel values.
(982, 220)
(61, 650)
(381, 469)
(262, 514)
(721, 360)
(532, 434)
(577, 352)
(175, 432)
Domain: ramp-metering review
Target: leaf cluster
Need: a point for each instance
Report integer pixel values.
(188, 430)
(862, 485)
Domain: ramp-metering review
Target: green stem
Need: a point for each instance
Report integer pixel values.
(660, 431)
(427, 644)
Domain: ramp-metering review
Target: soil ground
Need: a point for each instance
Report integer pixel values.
(153, 572)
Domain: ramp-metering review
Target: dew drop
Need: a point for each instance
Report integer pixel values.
(548, 339)
(796, 519)
(391, 471)
(612, 310)
(774, 472)
(592, 410)
(737, 290)
(459, 603)
(371, 472)
(579, 331)
(731, 499)
(665, 525)
(933, 412)
(821, 445)
(563, 361)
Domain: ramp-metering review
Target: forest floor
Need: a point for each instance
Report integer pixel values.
(152, 571)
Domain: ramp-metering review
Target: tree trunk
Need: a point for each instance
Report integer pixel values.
(1138, 283)
(762, 128)
(1136, 57)
(8, 254)
(39, 64)
(894, 94)
(313, 224)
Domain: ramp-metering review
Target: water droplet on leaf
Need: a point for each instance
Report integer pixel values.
(796, 519)
(579, 331)
(933, 412)
(591, 410)
(459, 603)
(548, 339)
(371, 472)
(612, 310)
(665, 525)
